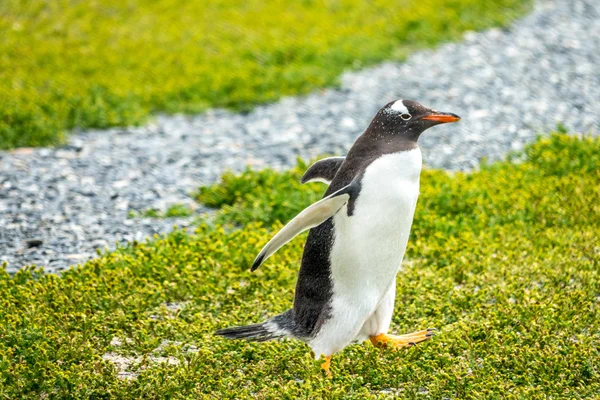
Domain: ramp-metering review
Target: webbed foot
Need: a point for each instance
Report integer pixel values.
(408, 340)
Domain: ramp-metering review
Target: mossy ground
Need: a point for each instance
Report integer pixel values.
(504, 261)
(172, 211)
(71, 63)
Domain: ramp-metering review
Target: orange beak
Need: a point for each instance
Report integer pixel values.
(441, 117)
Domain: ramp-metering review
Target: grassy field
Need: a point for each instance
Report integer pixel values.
(71, 63)
(504, 261)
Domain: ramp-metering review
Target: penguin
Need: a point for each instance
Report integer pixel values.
(358, 234)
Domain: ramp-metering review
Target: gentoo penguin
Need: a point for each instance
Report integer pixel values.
(358, 234)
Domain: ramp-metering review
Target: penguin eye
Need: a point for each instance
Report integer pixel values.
(405, 116)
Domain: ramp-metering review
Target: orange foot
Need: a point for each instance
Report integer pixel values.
(408, 340)
(325, 366)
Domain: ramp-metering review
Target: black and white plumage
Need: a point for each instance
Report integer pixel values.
(358, 235)
(323, 170)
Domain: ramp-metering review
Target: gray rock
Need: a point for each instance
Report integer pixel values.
(33, 243)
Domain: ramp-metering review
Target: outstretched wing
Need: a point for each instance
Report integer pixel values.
(323, 170)
(310, 217)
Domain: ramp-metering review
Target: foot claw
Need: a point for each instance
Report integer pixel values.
(325, 366)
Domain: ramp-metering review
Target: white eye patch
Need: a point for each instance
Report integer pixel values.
(399, 107)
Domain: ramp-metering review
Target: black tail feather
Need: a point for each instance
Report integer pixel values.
(274, 328)
(252, 333)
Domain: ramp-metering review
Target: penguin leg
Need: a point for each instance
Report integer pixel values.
(408, 340)
(326, 365)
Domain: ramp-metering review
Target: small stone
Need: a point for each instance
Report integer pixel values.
(30, 243)
(23, 151)
(78, 257)
(99, 244)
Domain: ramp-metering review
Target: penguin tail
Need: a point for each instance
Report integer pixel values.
(277, 327)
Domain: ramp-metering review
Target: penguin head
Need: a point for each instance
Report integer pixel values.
(409, 118)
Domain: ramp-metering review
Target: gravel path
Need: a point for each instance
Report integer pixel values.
(58, 205)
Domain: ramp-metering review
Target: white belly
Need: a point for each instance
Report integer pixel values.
(369, 245)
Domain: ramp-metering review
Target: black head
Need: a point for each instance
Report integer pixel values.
(408, 118)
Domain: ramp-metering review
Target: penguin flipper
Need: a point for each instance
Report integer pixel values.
(310, 217)
(323, 170)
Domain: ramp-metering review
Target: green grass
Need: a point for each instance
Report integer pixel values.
(71, 63)
(504, 261)
(243, 199)
(172, 211)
